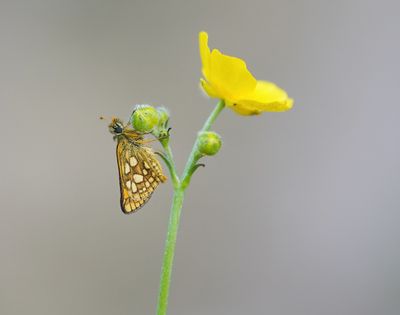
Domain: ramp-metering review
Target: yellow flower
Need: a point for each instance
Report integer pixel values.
(227, 78)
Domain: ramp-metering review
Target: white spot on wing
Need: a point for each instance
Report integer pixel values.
(133, 161)
(127, 168)
(138, 178)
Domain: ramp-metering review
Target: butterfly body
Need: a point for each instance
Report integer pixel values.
(139, 170)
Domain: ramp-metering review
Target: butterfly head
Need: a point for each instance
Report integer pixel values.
(116, 126)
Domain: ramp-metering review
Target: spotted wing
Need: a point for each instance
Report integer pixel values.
(139, 174)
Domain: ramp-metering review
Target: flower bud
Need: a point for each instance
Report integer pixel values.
(209, 143)
(163, 117)
(144, 118)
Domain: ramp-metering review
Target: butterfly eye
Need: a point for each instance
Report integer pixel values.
(116, 128)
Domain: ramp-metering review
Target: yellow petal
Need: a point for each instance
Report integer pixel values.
(204, 53)
(266, 97)
(229, 76)
(208, 89)
(244, 110)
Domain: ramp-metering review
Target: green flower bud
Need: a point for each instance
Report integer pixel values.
(144, 118)
(164, 117)
(209, 143)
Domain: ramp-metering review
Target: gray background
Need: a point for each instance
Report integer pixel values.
(299, 212)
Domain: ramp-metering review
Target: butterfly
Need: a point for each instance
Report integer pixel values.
(139, 170)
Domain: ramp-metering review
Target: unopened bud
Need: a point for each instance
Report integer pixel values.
(163, 117)
(144, 118)
(209, 143)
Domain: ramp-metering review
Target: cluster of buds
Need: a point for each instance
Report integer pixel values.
(148, 119)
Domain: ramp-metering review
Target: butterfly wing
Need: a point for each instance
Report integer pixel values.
(139, 174)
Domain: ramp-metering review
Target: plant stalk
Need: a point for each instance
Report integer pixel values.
(194, 157)
(166, 270)
(176, 209)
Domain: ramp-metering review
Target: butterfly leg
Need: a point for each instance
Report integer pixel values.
(156, 139)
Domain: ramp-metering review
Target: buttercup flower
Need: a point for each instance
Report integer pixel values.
(227, 78)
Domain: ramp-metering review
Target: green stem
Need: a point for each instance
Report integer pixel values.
(176, 209)
(194, 156)
(171, 163)
(166, 270)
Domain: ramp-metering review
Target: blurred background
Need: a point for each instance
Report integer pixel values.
(297, 214)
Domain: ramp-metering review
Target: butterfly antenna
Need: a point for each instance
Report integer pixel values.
(107, 118)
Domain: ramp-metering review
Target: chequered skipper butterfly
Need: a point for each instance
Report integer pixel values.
(139, 170)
